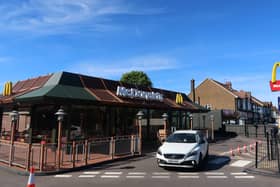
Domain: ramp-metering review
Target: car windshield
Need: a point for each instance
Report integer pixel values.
(181, 138)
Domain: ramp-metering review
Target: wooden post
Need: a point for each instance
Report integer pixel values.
(73, 153)
(132, 145)
(42, 151)
(112, 150)
(86, 151)
(28, 157)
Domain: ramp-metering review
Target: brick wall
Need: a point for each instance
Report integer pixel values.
(210, 92)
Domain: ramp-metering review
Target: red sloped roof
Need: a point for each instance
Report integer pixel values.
(25, 86)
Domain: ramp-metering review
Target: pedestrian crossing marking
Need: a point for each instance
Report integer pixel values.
(110, 176)
(244, 177)
(188, 177)
(217, 177)
(91, 172)
(240, 163)
(63, 176)
(87, 176)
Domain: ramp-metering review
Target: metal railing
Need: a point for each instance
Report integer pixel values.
(43, 157)
(267, 152)
(249, 130)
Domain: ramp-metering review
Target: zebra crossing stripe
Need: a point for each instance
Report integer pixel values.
(87, 176)
(110, 176)
(113, 173)
(187, 173)
(244, 177)
(238, 173)
(137, 173)
(161, 177)
(161, 173)
(217, 177)
(91, 172)
(214, 173)
(63, 176)
(188, 177)
(135, 177)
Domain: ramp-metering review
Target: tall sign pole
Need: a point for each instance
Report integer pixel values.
(275, 86)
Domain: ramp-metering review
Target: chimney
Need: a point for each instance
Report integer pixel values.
(193, 89)
(228, 85)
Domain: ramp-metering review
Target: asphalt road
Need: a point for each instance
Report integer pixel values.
(221, 170)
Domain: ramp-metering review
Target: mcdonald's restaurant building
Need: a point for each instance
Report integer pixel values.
(95, 107)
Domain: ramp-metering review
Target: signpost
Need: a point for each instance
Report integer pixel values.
(275, 85)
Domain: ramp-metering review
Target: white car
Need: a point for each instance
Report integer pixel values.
(183, 148)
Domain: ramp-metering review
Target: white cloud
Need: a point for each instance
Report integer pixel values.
(117, 68)
(56, 16)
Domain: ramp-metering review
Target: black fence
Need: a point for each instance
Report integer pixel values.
(267, 152)
(250, 130)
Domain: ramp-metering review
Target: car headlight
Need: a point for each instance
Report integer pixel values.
(159, 152)
(193, 153)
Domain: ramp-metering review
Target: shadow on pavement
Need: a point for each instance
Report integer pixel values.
(214, 162)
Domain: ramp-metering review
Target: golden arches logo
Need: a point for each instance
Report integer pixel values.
(7, 89)
(273, 76)
(179, 98)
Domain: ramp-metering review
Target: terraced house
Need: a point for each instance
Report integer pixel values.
(236, 106)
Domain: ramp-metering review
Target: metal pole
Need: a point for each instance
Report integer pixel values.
(59, 144)
(13, 123)
(277, 151)
(256, 163)
(267, 145)
(140, 136)
(212, 126)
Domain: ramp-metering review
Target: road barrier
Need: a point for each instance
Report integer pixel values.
(43, 156)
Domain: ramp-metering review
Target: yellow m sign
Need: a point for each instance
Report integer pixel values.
(7, 89)
(274, 84)
(179, 99)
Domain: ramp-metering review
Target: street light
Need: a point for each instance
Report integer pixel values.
(140, 115)
(212, 126)
(14, 117)
(60, 117)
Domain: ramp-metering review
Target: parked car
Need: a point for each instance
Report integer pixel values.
(183, 148)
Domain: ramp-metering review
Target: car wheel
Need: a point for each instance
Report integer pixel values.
(200, 162)
(206, 155)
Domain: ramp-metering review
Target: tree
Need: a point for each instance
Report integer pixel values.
(138, 78)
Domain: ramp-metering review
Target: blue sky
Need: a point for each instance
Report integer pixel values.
(172, 41)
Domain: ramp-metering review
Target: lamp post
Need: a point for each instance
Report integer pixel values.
(212, 126)
(14, 117)
(140, 115)
(165, 117)
(60, 117)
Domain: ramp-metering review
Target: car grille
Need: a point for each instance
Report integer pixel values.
(174, 156)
